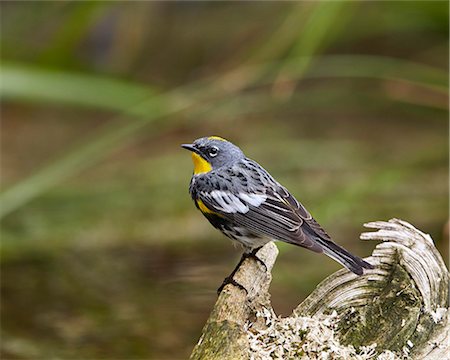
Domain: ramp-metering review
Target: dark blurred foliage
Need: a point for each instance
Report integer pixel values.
(103, 254)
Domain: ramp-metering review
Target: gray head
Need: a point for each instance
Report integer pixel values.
(209, 153)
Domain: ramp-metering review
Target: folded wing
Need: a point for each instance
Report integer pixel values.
(269, 211)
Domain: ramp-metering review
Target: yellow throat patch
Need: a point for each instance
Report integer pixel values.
(201, 166)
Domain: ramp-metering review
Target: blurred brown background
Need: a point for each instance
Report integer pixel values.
(103, 253)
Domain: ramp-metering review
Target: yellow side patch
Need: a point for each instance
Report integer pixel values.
(201, 166)
(217, 138)
(204, 209)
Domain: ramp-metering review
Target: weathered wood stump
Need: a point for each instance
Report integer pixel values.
(397, 310)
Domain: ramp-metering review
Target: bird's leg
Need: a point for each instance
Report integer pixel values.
(253, 255)
(229, 279)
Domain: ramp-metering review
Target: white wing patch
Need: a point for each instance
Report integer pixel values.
(227, 202)
(253, 199)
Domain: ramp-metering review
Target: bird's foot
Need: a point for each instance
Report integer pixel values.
(253, 255)
(230, 280)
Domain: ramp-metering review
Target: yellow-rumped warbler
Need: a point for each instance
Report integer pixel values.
(248, 205)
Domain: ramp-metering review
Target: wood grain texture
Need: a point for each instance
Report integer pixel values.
(400, 308)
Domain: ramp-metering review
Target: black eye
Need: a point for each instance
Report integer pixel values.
(213, 151)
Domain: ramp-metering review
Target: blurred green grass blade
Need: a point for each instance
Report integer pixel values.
(25, 83)
(315, 25)
(112, 136)
(325, 21)
(320, 26)
(90, 151)
(380, 67)
(66, 88)
(342, 66)
(78, 19)
(70, 163)
(144, 106)
(281, 40)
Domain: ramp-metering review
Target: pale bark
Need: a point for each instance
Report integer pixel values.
(401, 306)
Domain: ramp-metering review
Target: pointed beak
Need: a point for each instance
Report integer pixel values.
(189, 147)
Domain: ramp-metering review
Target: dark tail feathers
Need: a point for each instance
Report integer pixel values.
(351, 262)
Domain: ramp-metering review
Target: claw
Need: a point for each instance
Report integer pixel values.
(230, 280)
(253, 255)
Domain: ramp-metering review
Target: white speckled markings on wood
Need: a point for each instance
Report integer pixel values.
(397, 310)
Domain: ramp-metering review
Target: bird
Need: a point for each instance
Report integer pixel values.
(242, 200)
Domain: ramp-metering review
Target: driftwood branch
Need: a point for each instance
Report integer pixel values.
(399, 309)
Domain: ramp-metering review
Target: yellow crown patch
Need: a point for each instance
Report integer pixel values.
(217, 138)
